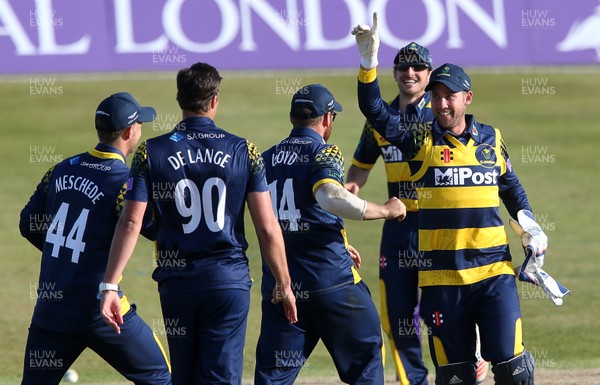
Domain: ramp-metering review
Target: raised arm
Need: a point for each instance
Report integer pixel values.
(379, 114)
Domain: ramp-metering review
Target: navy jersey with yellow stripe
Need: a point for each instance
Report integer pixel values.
(197, 178)
(315, 239)
(461, 183)
(71, 218)
(398, 168)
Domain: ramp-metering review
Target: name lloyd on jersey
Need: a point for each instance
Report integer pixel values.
(207, 155)
(288, 158)
(460, 176)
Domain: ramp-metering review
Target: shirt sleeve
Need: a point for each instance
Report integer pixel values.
(257, 181)
(137, 185)
(34, 222)
(367, 151)
(511, 191)
(327, 167)
(382, 116)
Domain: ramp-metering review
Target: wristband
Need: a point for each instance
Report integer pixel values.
(108, 286)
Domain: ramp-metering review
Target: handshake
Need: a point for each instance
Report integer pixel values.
(367, 40)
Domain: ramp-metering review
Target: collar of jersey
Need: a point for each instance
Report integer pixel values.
(195, 122)
(104, 151)
(301, 131)
(439, 132)
(419, 107)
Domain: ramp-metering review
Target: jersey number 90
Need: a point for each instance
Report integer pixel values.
(201, 203)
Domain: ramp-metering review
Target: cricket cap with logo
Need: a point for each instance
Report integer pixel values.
(413, 54)
(452, 76)
(121, 110)
(316, 98)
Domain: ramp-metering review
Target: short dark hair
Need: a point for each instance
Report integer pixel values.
(196, 86)
(304, 122)
(109, 137)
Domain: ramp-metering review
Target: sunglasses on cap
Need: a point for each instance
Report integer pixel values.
(416, 67)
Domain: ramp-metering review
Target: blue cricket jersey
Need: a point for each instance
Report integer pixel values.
(398, 167)
(197, 178)
(71, 218)
(315, 239)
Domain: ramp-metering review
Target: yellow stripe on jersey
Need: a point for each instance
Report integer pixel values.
(411, 204)
(465, 276)
(323, 181)
(364, 166)
(106, 155)
(367, 76)
(453, 197)
(458, 239)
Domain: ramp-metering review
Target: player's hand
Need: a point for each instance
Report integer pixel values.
(396, 209)
(355, 255)
(110, 308)
(532, 236)
(285, 294)
(367, 40)
(352, 187)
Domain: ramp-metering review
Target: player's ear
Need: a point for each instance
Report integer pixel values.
(468, 97)
(214, 101)
(127, 132)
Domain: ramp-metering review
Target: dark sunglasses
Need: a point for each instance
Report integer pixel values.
(416, 67)
(333, 115)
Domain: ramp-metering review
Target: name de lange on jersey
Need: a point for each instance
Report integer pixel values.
(207, 155)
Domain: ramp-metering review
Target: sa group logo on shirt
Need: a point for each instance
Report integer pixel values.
(464, 176)
(486, 155)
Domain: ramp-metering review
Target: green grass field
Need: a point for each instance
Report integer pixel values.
(551, 131)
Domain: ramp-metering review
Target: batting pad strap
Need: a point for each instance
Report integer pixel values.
(463, 373)
(339, 201)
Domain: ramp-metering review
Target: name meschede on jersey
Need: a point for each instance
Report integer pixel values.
(464, 176)
(79, 183)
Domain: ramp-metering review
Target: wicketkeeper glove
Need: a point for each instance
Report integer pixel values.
(367, 40)
(534, 243)
(532, 236)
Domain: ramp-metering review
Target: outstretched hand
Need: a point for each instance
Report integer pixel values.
(367, 40)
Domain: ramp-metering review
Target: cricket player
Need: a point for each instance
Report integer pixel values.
(399, 253)
(465, 172)
(71, 218)
(305, 177)
(198, 179)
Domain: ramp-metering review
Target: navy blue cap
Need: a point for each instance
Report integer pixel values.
(413, 54)
(120, 111)
(316, 98)
(452, 76)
